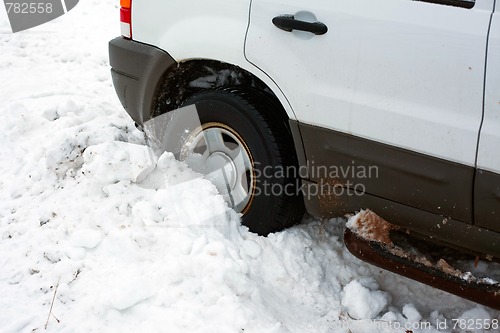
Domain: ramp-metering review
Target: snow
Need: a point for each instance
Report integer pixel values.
(411, 313)
(116, 161)
(134, 243)
(361, 302)
(476, 313)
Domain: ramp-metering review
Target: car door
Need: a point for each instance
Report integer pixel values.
(487, 184)
(405, 74)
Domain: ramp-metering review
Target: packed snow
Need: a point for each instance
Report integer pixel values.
(97, 234)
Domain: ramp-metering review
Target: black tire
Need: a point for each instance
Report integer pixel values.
(276, 201)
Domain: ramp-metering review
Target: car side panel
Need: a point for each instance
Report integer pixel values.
(404, 73)
(489, 143)
(346, 162)
(487, 180)
(191, 29)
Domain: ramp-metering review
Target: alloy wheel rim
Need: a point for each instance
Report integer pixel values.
(222, 156)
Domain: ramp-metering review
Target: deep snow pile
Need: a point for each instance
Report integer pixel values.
(135, 243)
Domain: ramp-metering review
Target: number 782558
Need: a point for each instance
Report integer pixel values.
(28, 7)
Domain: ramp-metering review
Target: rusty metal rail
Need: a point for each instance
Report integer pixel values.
(375, 254)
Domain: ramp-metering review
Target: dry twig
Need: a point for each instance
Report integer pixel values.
(52, 304)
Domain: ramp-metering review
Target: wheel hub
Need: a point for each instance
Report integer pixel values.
(221, 171)
(216, 151)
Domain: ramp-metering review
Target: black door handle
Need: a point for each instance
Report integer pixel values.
(289, 23)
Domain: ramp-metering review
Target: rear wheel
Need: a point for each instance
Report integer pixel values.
(245, 148)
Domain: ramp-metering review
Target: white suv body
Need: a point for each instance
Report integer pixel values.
(412, 87)
(365, 76)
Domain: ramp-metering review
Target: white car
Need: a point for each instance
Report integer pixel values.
(390, 105)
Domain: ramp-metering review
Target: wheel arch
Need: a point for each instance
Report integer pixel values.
(189, 77)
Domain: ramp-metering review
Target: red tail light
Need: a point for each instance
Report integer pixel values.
(126, 18)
